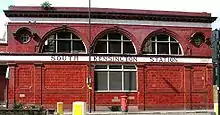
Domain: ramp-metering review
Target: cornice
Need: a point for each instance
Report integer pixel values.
(109, 15)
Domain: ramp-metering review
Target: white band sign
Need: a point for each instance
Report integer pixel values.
(141, 59)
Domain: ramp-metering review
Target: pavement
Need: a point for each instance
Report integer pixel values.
(162, 112)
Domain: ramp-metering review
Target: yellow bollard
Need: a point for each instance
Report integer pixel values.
(215, 93)
(79, 108)
(60, 108)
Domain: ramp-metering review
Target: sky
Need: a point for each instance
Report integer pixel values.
(210, 6)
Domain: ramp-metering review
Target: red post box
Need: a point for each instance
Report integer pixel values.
(124, 106)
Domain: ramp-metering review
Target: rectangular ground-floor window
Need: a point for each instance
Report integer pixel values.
(115, 78)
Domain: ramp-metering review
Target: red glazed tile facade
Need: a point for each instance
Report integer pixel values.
(160, 85)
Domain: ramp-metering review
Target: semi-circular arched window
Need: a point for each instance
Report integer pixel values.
(162, 44)
(64, 42)
(114, 43)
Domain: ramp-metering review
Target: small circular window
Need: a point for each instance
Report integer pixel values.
(25, 37)
(197, 39)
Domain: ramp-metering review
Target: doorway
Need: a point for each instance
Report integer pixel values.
(3, 85)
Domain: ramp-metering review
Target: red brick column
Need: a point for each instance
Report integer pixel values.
(187, 86)
(141, 87)
(12, 84)
(38, 83)
(209, 85)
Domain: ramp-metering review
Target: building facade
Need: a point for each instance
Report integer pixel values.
(158, 59)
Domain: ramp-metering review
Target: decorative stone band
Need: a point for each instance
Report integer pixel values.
(108, 21)
(85, 58)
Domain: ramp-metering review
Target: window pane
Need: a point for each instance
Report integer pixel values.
(101, 81)
(125, 38)
(101, 47)
(25, 38)
(104, 37)
(100, 66)
(63, 35)
(115, 81)
(129, 67)
(78, 46)
(149, 47)
(114, 36)
(64, 46)
(128, 47)
(153, 38)
(115, 67)
(163, 48)
(174, 48)
(129, 80)
(162, 38)
(172, 39)
(50, 47)
(75, 37)
(49, 44)
(114, 47)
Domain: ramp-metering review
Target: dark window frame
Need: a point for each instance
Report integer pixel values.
(108, 40)
(122, 70)
(25, 37)
(153, 44)
(56, 39)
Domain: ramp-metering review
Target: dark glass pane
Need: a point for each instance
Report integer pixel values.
(129, 80)
(64, 46)
(198, 39)
(50, 44)
(149, 47)
(162, 48)
(104, 37)
(101, 80)
(50, 47)
(114, 47)
(128, 47)
(100, 66)
(115, 67)
(25, 38)
(172, 39)
(125, 38)
(115, 81)
(153, 38)
(162, 38)
(74, 36)
(63, 35)
(114, 36)
(78, 46)
(101, 47)
(129, 67)
(199, 36)
(174, 48)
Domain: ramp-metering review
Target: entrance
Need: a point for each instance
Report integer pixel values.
(3, 85)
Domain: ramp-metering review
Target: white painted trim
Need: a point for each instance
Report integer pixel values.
(140, 59)
(107, 21)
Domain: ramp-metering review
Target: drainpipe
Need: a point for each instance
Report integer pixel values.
(89, 72)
